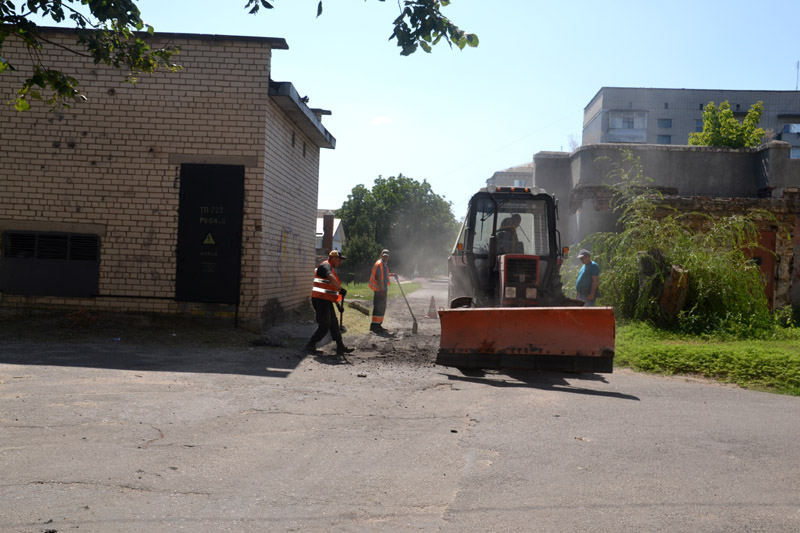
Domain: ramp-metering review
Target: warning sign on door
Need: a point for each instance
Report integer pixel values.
(209, 240)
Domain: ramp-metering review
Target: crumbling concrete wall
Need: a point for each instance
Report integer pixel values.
(704, 179)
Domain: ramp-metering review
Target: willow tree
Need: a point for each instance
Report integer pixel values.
(725, 287)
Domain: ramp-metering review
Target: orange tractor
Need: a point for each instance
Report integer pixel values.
(507, 308)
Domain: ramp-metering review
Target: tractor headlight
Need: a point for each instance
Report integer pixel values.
(511, 292)
(530, 293)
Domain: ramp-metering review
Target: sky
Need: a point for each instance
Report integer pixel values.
(454, 117)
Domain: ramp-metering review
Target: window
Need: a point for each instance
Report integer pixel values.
(666, 105)
(698, 125)
(520, 183)
(664, 139)
(627, 120)
(532, 235)
(665, 123)
(794, 153)
(701, 107)
(791, 128)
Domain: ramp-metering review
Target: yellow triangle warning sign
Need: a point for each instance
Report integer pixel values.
(209, 239)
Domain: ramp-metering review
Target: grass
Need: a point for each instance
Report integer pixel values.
(357, 323)
(769, 365)
(361, 291)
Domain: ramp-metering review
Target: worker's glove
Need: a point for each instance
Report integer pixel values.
(343, 292)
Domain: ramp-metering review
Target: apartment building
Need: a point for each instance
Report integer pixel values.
(668, 116)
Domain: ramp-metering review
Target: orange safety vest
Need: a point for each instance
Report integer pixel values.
(324, 289)
(379, 279)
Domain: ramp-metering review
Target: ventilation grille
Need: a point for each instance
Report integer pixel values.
(65, 246)
(522, 270)
(50, 264)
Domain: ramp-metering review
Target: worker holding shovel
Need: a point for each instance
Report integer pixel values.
(379, 283)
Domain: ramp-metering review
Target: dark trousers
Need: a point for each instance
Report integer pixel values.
(326, 321)
(378, 306)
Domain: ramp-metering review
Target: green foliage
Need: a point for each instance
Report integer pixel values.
(110, 36)
(400, 214)
(361, 252)
(720, 127)
(725, 289)
(767, 364)
(421, 24)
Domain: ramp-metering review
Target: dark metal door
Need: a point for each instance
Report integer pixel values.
(209, 251)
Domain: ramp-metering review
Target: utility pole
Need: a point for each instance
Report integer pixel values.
(797, 80)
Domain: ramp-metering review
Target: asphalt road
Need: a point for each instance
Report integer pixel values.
(101, 435)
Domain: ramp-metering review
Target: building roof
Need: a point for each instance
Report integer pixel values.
(277, 43)
(308, 120)
(731, 91)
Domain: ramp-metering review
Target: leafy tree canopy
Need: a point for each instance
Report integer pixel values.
(110, 35)
(400, 214)
(720, 127)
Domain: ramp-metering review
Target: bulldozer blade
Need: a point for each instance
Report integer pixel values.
(567, 339)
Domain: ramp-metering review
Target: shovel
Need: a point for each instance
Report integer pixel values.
(414, 327)
(340, 305)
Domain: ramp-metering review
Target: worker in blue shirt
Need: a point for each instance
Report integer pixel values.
(588, 279)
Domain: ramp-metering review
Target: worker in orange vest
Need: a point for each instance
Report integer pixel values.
(327, 291)
(379, 283)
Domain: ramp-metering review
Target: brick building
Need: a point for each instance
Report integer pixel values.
(192, 192)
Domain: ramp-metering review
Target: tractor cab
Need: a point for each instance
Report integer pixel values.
(508, 252)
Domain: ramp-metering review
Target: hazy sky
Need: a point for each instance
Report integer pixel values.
(455, 117)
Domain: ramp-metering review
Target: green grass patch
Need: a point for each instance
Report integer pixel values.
(361, 291)
(771, 364)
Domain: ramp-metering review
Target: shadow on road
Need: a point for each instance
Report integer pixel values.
(555, 381)
(255, 361)
(145, 343)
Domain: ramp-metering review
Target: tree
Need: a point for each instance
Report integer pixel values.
(400, 214)
(420, 24)
(111, 34)
(720, 127)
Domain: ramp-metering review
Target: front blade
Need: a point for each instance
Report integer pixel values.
(575, 339)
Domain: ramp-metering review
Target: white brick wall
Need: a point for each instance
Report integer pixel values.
(109, 165)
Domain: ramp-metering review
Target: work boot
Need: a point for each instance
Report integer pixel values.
(341, 349)
(377, 328)
(380, 330)
(311, 348)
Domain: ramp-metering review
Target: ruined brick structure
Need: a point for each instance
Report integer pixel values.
(717, 181)
(197, 189)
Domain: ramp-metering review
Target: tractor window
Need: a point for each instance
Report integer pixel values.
(522, 228)
(484, 224)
